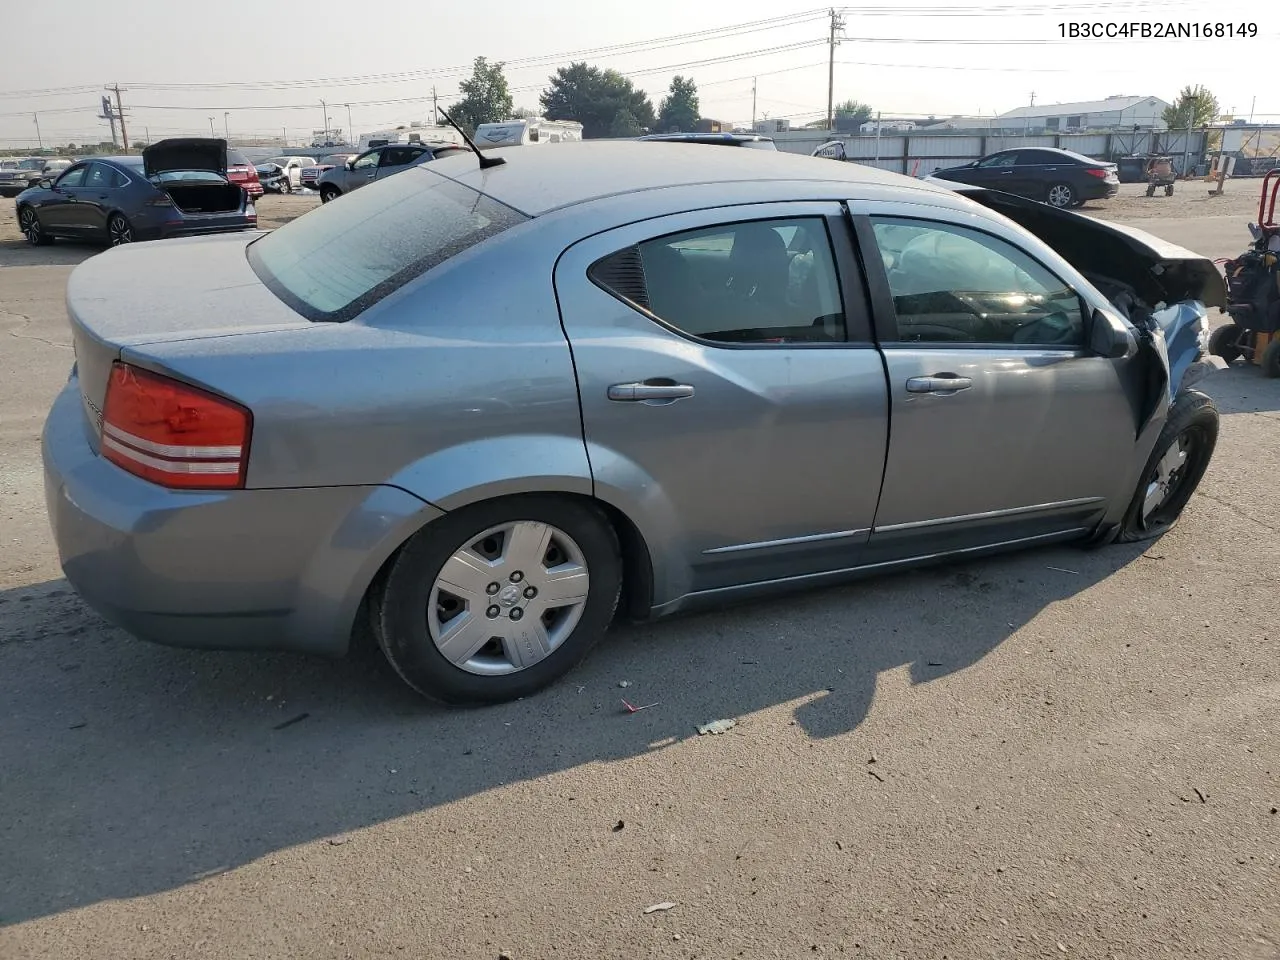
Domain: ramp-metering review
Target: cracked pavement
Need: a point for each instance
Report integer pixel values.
(1055, 753)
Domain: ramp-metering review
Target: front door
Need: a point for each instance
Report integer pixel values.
(1003, 425)
(732, 401)
(57, 209)
(362, 171)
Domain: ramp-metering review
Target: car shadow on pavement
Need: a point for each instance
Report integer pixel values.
(131, 769)
(1242, 388)
(62, 253)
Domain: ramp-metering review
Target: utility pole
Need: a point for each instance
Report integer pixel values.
(124, 134)
(837, 23)
(435, 115)
(1026, 123)
(325, 107)
(109, 114)
(350, 126)
(39, 139)
(226, 124)
(753, 104)
(212, 133)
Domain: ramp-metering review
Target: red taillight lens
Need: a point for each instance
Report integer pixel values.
(173, 434)
(1095, 172)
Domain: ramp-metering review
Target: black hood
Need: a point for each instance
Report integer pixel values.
(186, 153)
(1156, 269)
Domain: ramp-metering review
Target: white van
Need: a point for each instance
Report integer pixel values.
(511, 133)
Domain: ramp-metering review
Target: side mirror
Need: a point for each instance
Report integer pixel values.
(350, 164)
(1111, 337)
(46, 183)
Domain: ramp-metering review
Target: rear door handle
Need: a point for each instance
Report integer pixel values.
(649, 390)
(942, 384)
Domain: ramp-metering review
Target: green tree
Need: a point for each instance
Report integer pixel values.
(603, 101)
(1195, 107)
(523, 113)
(486, 97)
(679, 110)
(854, 110)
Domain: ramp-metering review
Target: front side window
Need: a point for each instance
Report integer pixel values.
(367, 161)
(955, 285)
(73, 177)
(348, 256)
(761, 281)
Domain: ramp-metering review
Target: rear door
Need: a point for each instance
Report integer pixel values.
(730, 387)
(1004, 425)
(97, 197)
(1037, 170)
(396, 159)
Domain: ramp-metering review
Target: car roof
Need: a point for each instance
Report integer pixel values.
(708, 137)
(537, 180)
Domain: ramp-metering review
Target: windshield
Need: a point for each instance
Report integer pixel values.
(342, 258)
(33, 164)
(337, 159)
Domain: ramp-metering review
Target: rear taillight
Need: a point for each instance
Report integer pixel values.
(1096, 172)
(164, 200)
(173, 434)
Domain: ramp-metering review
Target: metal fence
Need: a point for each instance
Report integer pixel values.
(919, 154)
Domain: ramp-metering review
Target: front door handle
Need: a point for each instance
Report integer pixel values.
(650, 390)
(943, 384)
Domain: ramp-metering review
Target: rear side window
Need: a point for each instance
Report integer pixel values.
(760, 281)
(342, 258)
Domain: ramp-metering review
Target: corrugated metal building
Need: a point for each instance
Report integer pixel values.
(1113, 113)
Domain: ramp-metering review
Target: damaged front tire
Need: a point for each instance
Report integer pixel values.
(1175, 468)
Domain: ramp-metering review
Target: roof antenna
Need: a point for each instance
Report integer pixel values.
(485, 162)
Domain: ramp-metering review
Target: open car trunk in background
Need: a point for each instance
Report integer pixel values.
(206, 196)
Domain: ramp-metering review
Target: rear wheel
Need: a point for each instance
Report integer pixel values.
(29, 224)
(328, 193)
(1175, 468)
(1061, 195)
(118, 230)
(1168, 191)
(1271, 359)
(498, 600)
(1224, 342)
(1151, 189)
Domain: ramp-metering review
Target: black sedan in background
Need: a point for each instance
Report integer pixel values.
(176, 188)
(1060, 178)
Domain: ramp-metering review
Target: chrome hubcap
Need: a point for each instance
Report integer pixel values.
(30, 225)
(1165, 478)
(508, 598)
(120, 231)
(1059, 196)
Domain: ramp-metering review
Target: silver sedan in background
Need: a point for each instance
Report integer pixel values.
(490, 408)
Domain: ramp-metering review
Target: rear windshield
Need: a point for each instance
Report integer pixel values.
(236, 158)
(345, 256)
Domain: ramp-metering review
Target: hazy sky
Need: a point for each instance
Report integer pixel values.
(262, 69)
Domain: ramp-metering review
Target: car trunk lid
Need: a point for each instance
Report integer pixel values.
(185, 154)
(190, 289)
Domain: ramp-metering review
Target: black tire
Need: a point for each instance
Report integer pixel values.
(1271, 360)
(1193, 419)
(1168, 191)
(400, 604)
(328, 193)
(1060, 195)
(119, 230)
(1151, 189)
(29, 224)
(1223, 342)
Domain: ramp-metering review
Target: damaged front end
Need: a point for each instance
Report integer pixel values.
(1163, 290)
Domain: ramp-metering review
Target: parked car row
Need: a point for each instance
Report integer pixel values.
(19, 173)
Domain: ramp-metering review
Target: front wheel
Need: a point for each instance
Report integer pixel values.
(118, 230)
(1225, 342)
(1061, 195)
(1175, 468)
(497, 600)
(29, 224)
(328, 193)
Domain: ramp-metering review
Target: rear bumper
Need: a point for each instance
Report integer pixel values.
(1099, 190)
(161, 223)
(243, 569)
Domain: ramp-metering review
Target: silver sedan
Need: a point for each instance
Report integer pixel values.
(490, 409)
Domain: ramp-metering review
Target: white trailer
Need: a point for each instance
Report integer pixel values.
(511, 133)
(410, 133)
